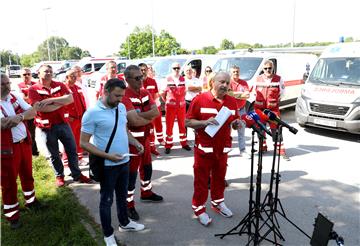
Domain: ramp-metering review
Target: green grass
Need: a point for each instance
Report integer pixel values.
(61, 222)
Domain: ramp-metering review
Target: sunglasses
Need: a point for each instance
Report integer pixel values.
(176, 68)
(26, 74)
(267, 68)
(137, 78)
(208, 71)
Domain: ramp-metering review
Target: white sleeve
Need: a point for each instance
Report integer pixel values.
(24, 105)
(282, 88)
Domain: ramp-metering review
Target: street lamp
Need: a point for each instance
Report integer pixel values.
(47, 32)
(152, 28)
(293, 26)
(128, 40)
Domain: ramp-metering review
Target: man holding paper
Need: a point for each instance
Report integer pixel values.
(212, 114)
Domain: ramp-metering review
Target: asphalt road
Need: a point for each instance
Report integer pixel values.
(322, 176)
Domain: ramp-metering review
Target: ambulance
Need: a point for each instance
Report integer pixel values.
(293, 69)
(331, 96)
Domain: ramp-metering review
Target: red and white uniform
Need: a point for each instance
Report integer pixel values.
(76, 111)
(141, 102)
(16, 158)
(150, 85)
(210, 153)
(268, 94)
(175, 107)
(38, 92)
(99, 88)
(24, 88)
(239, 86)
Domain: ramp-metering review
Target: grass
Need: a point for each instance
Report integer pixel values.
(63, 221)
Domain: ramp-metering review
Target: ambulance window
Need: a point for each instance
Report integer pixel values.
(98, 66)
(87, 68)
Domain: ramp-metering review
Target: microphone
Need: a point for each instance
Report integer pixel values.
(272, 116)
(250, 123)
(263, 117)
(256, 118)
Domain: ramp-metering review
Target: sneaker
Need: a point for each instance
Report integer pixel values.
(133, 214)
(110, 241)
(83, 179)
(15, 224)
(167, 151)
(186, 147)
(285, 157)
(223, 210)
(204, 219)
(152, 198)
(244, 153)
(60, 181)
(132, 226)
(155, 152)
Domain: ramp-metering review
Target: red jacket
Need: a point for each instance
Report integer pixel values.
(175, 94)
(267, 94)
(78, 107)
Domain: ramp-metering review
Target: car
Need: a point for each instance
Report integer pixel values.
(13, 71)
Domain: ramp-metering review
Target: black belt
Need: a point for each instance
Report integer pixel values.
(21, 141)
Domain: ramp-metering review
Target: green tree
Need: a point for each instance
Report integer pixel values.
(69, 53)
(207, 50)
(242, 46)
(227, 45)
(7, 57)
(140, 41)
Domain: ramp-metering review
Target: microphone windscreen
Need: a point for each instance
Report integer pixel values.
(263, 117)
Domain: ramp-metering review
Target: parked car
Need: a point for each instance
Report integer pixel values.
(13, 71)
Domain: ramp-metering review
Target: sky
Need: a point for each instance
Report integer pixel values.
(102, 26)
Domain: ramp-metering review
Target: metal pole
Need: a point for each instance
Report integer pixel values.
(293, 27)
(47, 33)
(152, 28)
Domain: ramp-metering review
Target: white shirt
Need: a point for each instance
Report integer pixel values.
(18, 132)
(195, 82)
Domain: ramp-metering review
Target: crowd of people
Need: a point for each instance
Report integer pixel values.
(130, 104)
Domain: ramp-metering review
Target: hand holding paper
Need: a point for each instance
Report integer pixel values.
(221, 118)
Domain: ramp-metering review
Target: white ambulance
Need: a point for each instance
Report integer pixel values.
(331, 96)
(293, 69)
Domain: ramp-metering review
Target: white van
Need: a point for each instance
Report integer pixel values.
(162, 65)
(293, 69)
(13, 71)
(331, 96)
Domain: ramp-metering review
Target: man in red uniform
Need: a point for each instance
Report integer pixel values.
(83, 84)
(111, 73)
(76, 111)
(24, 88)
(269, 89)
(151, 86)
(16, 158)
(175, 107)
(240, 90)
(52, 121)
(139, 100)
(211, 153)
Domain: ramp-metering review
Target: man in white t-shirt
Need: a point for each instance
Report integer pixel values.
(193, 85)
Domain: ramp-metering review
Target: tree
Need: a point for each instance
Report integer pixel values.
(7, 58)
(141, 44)
(242, 46)
(227, 45)
(69, 53)
(207, 50)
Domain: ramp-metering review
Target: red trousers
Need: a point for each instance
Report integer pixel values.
(156, 126)
(171, 113)
(75, 128)
(19, 164)
(142, 164)
(206, 165)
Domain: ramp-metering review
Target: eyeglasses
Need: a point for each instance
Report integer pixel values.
(176, 68)
(267, 68)
(137, 78)
(24, 74)
(208, 71)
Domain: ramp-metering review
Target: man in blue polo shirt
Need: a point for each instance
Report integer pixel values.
(99, 122)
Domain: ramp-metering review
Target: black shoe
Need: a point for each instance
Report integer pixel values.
(153, 198)
(36, 153)
(35, 206)
(186, 147)
(15, 224)
(167, 151)
(132, 214)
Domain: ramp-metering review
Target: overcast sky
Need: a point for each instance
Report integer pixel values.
(101, 27)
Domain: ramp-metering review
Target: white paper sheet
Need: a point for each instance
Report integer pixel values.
(129, 154)
(221, 117)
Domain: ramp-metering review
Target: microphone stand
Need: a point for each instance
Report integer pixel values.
(273, 201)
(252, 218)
